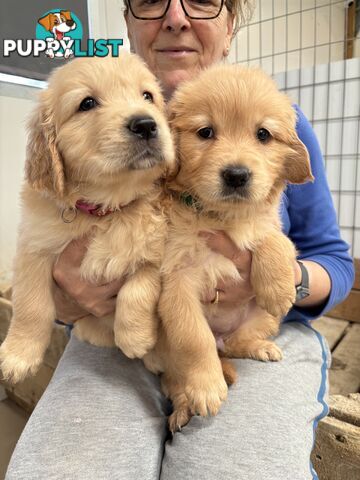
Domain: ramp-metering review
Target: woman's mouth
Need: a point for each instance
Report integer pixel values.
(176, 52)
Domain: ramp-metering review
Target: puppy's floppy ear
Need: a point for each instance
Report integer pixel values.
(297, 163)
(44, 168)
(46, 21)
(66, 13)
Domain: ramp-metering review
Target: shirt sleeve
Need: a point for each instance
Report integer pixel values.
(314, 228)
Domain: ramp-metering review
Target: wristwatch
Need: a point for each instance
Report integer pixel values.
(302, 290)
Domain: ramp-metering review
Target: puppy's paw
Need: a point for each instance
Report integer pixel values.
(229, 371)
(277, 304)
(179, 418)
(16, 365)
(135, 345)
(50, 53)
(206, 393)
(265, 351)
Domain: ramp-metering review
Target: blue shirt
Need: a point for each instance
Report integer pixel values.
(309, 220)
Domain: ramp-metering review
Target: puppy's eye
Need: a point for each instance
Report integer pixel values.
(206, 132)
(148, 96)
(263, 135)
(87, 104)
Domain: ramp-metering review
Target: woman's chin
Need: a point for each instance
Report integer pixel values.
(172, 79)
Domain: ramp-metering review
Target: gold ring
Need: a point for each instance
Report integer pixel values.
(216, 299)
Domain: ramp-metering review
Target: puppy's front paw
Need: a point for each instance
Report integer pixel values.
(276, 303)
(16, 365)
(206, 393)
(265, 351)
(135, 344)
(179, 418)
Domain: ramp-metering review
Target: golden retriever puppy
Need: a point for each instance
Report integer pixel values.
(237, 148)
(99, 143)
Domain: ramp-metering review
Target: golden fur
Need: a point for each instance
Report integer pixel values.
(91, 155)
(236, 102)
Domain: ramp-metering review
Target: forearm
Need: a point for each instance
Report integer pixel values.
(319, 284)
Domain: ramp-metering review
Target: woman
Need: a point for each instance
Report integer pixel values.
(104, 416)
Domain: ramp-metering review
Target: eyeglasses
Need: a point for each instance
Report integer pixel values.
(195, 9)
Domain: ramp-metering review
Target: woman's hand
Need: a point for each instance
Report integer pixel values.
(242, 292)
(230, 292)
(74, 297)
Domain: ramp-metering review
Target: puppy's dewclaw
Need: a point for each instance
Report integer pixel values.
(98, 146)
(238, 149)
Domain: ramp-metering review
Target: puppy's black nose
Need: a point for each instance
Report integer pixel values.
(235, 177)
(143, 127)
(70, 23)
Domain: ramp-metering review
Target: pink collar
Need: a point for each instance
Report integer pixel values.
(98, 210)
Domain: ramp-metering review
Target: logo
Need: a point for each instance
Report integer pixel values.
(59, 34)
(59, 29)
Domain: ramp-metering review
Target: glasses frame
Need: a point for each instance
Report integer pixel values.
(184, 9)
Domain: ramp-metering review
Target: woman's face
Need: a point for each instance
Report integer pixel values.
(176, 47)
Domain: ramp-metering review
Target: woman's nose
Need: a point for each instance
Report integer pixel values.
(175, 19)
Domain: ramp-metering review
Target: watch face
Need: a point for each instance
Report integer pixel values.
(301, 293)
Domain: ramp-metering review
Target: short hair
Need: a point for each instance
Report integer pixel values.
(241, 9)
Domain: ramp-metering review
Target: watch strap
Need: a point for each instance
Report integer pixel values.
(303, 289)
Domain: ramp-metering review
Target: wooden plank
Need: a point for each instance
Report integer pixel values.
(6, 293)
(59, 340)
(5, 316)
(349, 309)
(356, 285)
(28, 393)
(5, 288)
(350, 25)
(336, 453)
(331, 328)
(346, 409)
(345, 367)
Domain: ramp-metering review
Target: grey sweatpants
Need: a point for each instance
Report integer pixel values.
(103, 417)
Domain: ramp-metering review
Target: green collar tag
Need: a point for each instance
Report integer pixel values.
(191, 201)
(188, 200)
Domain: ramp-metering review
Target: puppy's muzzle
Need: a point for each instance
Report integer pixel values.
(144, 128)
(146, 142)
(236, 180)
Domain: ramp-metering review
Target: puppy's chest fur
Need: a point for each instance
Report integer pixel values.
(119, 243)
(186, 251)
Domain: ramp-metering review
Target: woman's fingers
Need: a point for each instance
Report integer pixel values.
(80, 297)
(109, 290)
(230, 292)
(102, 308)
(67, 310)
(220, 243)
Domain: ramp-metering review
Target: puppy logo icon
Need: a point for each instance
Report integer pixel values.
(59, 28)
(59, 33)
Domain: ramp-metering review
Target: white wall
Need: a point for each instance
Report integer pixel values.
(329, 95)
(15, 105)
(291, 34)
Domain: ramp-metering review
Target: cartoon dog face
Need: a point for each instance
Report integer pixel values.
(58, 23)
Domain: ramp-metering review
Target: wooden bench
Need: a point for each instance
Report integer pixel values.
(336, 454)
